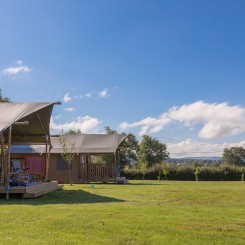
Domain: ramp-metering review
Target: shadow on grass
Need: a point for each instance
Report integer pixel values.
(145, 183)
(60, 197)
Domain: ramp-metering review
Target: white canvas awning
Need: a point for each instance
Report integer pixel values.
(90, 143)
(37, 115)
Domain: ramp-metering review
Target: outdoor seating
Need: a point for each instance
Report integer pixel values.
(19, 173)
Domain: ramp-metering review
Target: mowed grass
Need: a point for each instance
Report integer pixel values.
(149, 212)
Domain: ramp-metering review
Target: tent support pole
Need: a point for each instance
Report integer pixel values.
(8, 163)
(47, 156)
(47, 141)
(118, 161)
(40, 120)
(2, 158)
(115, 167)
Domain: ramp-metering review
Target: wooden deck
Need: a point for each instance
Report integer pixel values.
(34, 190)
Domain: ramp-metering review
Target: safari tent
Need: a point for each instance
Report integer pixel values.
(23, 124)
(96, 158)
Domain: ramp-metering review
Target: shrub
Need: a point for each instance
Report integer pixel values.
(187, 172)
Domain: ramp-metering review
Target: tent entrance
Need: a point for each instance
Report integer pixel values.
(94, 169)
(100, 172)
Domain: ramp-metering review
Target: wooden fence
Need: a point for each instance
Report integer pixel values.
(97, 171)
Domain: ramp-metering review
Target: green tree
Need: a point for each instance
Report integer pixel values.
(108, 130)
(243, 173)
(127, 150)
(234, 156)
(68, 144)
(143, 169)
(73, 132)
(197, 173)
(3, 99)
(152, 151)
(165, 171)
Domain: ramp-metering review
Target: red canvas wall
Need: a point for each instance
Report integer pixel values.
(36, 165)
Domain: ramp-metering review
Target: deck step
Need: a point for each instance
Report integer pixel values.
(121, 180)
(42, 189)
(40, 185)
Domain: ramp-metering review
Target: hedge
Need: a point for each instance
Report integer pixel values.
(187, 172)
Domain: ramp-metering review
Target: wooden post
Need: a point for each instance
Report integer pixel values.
(115, 167)
(49, 149)
(2, 158)
(47, 140)
(8, 163)
(118, 161)
(46, 159)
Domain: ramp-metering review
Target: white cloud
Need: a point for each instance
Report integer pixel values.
(85, 124)
(88, 95)
(69, 109)
(191, 148)
(14, 70)
(58, 116)
(218, 120)
(104, 93)
(19, 62)
(66, 98)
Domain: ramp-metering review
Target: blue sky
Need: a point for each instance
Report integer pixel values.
(170, 69)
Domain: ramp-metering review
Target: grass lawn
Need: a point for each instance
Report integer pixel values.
(149, 212)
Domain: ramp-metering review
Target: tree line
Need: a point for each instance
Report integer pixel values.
(150, 151)
(147, 160)
(2, 98)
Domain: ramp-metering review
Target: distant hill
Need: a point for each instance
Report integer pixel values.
(194, 159)
(204, 158)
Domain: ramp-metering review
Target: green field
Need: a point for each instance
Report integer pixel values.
(149, 212)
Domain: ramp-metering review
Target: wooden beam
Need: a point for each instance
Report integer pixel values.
(41, 121)
(22, 123)
(8, 163)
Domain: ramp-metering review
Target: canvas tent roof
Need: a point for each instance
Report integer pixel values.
(36, 113)
(85, 143)
(90, 143)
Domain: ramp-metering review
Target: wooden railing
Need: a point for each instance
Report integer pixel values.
(97, 171)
